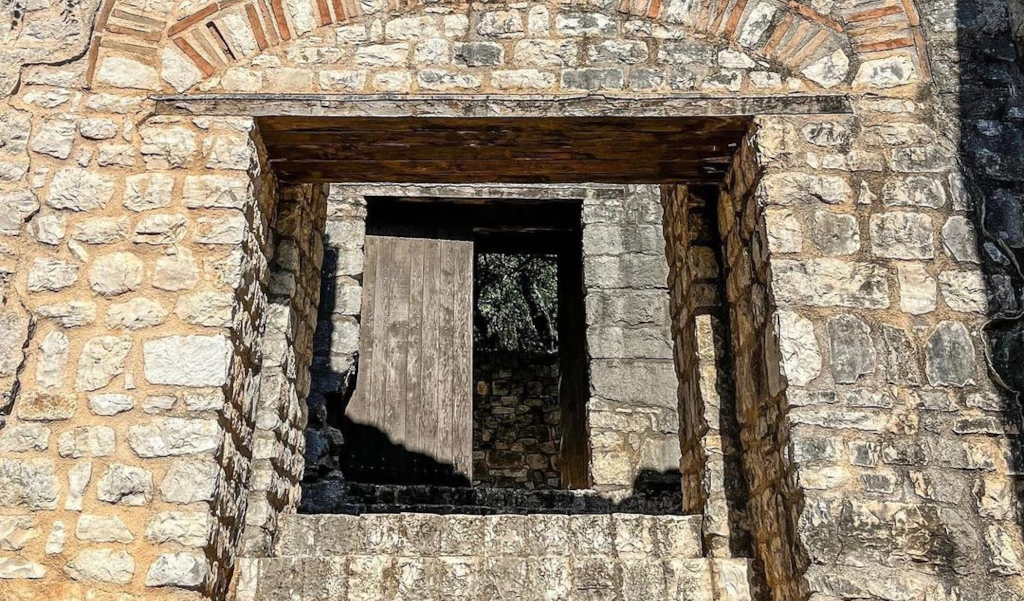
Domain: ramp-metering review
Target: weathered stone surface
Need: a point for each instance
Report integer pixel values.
(828, 71)
(16, 206)
(86, 441)
(116, 274)
(188, 528)
(917, 289)
(101, 230)
(125, 484)
(902, 236)
(791, 188)
(102, 565)
(915, 191)
(78, 479)
(160, 229)
(852, 352)
(29, 483)
(167, 147)
(53, 361)
(211, 309)
(959, 239)
(51, 274)
(102, 359)
(136, 314)
(835, 234)
(799, 347)
(830, 282)
(208, 365)
(190, 481)
(14, 332)
(174, 436)
(216, 191)
(964, 291)
(102, 529)
(57, 538)
(71, 314)
(16, 532)
(110, 404)
(146, 192)
(22, 438)
(18, 567)
(79, 190)
(949, 355)
(187, 570)
(177, 271)
(46, 406)
(126, 73)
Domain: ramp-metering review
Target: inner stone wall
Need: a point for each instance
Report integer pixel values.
(517, 434)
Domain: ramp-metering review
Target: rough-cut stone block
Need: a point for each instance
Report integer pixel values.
(830, 282)
(187, 360)
(164, 437)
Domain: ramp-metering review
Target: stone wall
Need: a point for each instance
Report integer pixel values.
(294, 295)
(632, 416)
(517, 434)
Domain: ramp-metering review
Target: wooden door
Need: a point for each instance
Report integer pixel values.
(410, 419)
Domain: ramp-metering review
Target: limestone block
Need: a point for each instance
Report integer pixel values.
(29, 483)
(86, 441)
(801, 358)
(545, 53)
(166, 437)
(889, 72)
(835, 234)
(20, 568)
(228, 230)
(126, 73)
(949, 355)
(216, 191)
(45, 406)
(102, 565)
(70, 314)
(97, 128)
(16, 206)
(793, 188)
(584, 24)
(382, 55)
(914, 191)
(411, 28)
(136, 314)
(16, 532)
(116, 274)
(101, 230)
(160, 229)
(177, 271)
(190, 481)
(125, 484)
(188, 528)
(77, 189)
(902, 236)
(167, 146)
(592, 79)
(522, 79)
(22, 438)
(964, 291)
(54, 138)
(828, 71)
(78, 479)
(207, 365)
(149, 191)
(647, 382)
(917, 289)
(102, 359)
(102, 529)
(51, 274)
(225, 151)
(852, 350)
(110, 404)
(53, 360)
(49, 229)
(186, 570)
(830, 282)
(211, 309)
(57, 538)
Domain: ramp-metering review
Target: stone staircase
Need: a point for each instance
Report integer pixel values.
(538, 557)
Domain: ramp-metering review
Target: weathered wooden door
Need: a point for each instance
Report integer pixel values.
(411, 414)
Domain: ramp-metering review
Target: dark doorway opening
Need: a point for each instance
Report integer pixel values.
(453, 390)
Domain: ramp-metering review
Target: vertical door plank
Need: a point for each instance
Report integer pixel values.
(446, 368)
(462, 356)
(414, 393)
(430, 407)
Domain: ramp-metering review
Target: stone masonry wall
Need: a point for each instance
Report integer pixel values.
(632, 413)
(712, 482)
(129, 241)
(517, 433)
(294, 295)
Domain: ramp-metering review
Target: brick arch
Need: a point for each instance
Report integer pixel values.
(788, 34)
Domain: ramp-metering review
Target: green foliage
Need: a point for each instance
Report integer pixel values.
(517, 303)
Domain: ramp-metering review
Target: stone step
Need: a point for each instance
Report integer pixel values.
(471, 578)
(620, 535)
